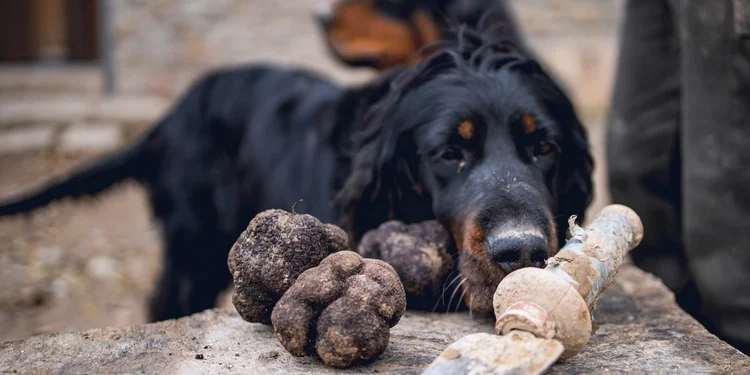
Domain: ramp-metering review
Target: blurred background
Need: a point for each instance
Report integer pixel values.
(82, 77)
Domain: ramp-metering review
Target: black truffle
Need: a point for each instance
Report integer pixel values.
(271, 253)
(342, 310)
(418, 252)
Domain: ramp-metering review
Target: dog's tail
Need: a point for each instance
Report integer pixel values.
(132, 162)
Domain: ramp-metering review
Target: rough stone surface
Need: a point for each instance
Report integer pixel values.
(641, 330)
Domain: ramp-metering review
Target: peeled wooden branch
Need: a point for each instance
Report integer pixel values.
(556, 302)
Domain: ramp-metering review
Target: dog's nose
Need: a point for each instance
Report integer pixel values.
(513, 252)
(324, 15)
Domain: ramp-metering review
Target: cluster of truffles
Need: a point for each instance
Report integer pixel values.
(296, 273)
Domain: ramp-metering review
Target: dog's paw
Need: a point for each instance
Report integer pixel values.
(271, 253)
(418, 252)
(342, 310)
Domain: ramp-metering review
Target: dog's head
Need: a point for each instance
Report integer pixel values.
(379, 33)
(479, 137)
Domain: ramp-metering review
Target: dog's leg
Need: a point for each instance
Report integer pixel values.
(164, 303)
(208, 277)
(194, 272)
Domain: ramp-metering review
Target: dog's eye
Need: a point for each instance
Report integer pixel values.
(543, 148)
(449, 160)
(451, 153)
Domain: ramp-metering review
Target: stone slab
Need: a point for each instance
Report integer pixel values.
(641, 331)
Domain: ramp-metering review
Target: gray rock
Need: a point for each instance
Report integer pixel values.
(641, 330)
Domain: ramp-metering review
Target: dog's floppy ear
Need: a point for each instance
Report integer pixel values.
(383, 183)
(574, 188)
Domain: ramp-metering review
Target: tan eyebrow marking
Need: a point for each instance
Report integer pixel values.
(466, 129)
(528, 123)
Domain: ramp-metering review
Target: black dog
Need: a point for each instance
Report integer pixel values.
(476, 135)
(382, 34)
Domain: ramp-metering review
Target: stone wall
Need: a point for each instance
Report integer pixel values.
(162, 45)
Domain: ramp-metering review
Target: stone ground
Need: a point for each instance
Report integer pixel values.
(641, 331)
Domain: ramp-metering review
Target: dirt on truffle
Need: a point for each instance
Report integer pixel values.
(271, 253)
(341, 310)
